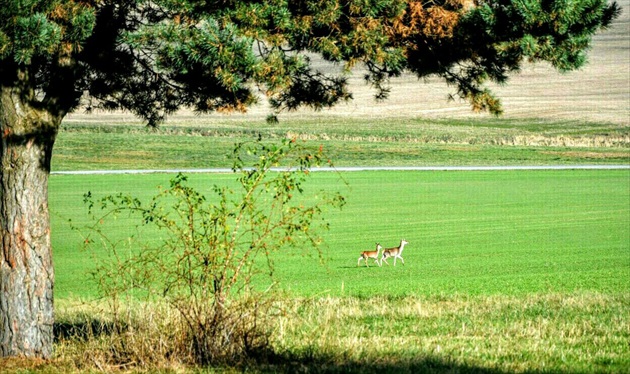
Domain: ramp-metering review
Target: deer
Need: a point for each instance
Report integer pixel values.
(365, 255)
(395, 252)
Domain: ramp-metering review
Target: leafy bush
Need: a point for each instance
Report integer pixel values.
(203, 256)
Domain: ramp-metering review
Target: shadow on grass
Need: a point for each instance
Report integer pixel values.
(268, 361)
(322, 363)
(84, 330)
(359, 267)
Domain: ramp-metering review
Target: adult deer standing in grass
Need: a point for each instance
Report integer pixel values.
(395, 252)
(365, 255)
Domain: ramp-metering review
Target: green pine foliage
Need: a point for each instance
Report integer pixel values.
(154, 57)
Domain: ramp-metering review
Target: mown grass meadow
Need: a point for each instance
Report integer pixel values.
(470, 232)
(505, 271)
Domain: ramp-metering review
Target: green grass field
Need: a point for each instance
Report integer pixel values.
(505, 271)
(469, 232)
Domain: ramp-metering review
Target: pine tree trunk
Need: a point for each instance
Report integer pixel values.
(26, 268)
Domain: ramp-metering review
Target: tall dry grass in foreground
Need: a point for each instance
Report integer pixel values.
(140, 336)
(578, 332)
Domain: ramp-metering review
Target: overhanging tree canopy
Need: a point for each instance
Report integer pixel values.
(154, 57)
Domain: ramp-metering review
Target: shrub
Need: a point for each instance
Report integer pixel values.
(211, 251)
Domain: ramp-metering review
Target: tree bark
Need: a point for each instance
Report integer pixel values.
(26, 268)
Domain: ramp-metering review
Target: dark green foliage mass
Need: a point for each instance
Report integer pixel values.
(153, 57)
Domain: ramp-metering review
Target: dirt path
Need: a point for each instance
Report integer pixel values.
(358, 168)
